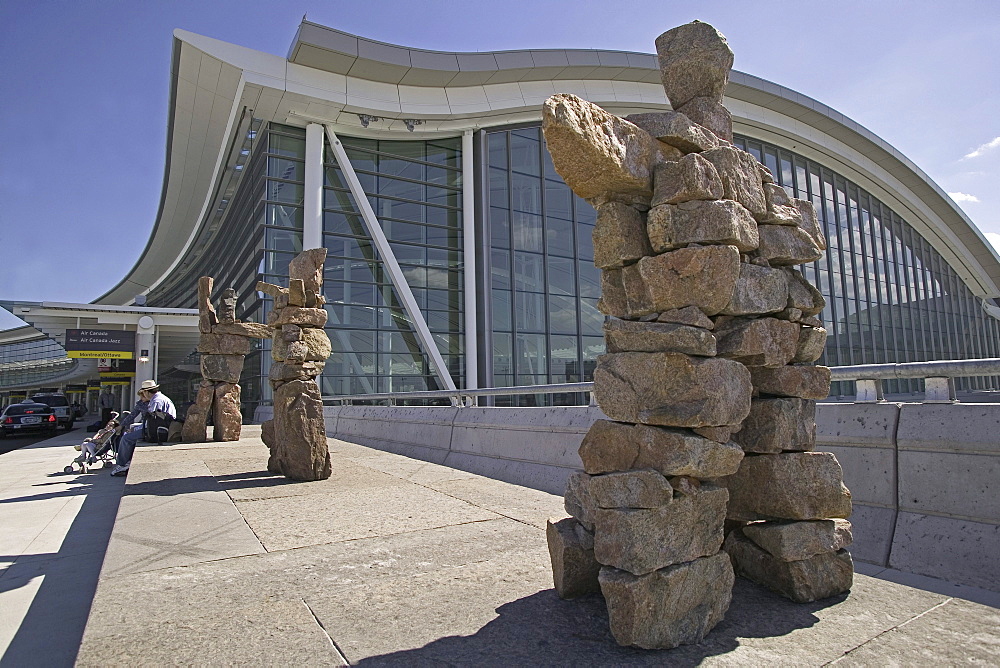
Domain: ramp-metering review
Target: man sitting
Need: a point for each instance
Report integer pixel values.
(152, 404)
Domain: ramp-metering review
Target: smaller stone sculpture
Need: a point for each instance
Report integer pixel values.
(223, 344)
(296, 436)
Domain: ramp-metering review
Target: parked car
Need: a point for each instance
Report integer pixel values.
(60, 404)
(28, 417)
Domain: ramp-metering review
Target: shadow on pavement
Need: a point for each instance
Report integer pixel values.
(541, 629)
(52, 629)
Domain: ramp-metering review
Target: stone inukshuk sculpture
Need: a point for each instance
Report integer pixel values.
(711, 330)
(296, 435)
(223, 344)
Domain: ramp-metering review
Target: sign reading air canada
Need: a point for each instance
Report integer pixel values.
(100, 343)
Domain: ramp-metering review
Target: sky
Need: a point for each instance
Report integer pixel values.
(85, 83)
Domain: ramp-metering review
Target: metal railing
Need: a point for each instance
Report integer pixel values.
(939, 377)
(939, 383)
(468, 397)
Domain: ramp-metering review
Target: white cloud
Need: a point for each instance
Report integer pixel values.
(963, 197)
(988, 146)
(994, 239)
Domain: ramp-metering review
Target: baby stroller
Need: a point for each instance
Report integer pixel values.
(99, 448)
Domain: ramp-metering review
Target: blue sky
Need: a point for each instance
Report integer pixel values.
(84, 86)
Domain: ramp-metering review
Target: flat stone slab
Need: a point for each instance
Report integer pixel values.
(464, 580)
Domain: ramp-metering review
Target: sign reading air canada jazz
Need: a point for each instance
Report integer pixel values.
(100, 343)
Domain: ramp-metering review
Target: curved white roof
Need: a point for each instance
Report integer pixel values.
(332, 77)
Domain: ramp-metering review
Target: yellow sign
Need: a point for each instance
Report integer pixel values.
(117, 374)
(98, 354)
(117, 382)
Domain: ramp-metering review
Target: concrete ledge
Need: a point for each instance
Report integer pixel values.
(533, 447)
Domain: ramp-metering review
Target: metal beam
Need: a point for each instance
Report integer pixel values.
(469, 256)
(389, 260)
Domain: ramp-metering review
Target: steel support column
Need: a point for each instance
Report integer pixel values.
(312, 206)
(469, 256)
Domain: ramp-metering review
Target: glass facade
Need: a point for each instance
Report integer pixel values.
(543, 285)
(415, 189)
(890, 296)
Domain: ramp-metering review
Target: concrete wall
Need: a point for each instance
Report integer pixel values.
(925, 478)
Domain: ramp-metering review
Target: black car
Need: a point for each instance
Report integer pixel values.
(28, 417)
(65, 414)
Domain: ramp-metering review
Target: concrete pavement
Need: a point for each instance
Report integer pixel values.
(54, 529)
(399, 561)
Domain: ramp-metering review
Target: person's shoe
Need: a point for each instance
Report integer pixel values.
(119, 470)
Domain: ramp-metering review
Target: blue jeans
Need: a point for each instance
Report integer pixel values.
(126, 446)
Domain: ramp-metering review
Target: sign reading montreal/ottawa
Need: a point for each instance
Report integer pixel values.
(98, 343)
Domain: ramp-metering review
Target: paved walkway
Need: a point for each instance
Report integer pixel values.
(391, 561)
(54, 529)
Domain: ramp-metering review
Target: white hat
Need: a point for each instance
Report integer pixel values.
(149, 385)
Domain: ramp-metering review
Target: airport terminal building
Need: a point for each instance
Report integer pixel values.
(480, 273)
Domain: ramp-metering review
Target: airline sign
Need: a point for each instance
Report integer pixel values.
(100, 343)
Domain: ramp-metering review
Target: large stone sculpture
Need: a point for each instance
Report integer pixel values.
(223, 344)
(296, 436)
(709, 378)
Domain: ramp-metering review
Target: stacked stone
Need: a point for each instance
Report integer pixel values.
(223, 343)
(696, 244)
(296, 436)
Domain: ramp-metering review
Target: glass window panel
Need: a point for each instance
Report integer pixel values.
(444, 152)
(562, 314)
(503, 354)
(527, 231)
(287, 146)
(591, 320)
(436, 215)
(525, 152)
(283, 240)
(283, 215)
(497, 149)
(441, 236)
(401, 189)
(498, 187)
(585, 242)
(500, 269)
(501, 310)
(590, 279)
(531, 358)
(343, 223)
(561, 278)
(529, 271)
(399, 231)
(565, 365)
(558, 200)
(338, 199)
(283, 168)
(559, 236)
(585, 213)
(388, 208)
(279, 191)
(526, 193)
(529, 312)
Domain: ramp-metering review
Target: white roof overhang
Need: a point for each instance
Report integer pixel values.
(333, 77)
(177, 329)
